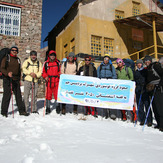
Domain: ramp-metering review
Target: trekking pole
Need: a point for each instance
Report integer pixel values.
(12, 97)
(45, 99)
(32, 95)
(149, 108)
(138, 107)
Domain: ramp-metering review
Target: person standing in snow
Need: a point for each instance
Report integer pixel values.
(107, 71)
(155, 82)
(142, 97)
(11, 70)
(51, 74)
(124, 73)
(88, 70)
(69, 67)
(32, 69)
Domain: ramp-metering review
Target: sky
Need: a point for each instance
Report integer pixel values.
(53, 11)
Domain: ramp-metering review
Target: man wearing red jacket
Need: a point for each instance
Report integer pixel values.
(51, 73)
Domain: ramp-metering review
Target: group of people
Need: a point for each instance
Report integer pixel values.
(148, 78)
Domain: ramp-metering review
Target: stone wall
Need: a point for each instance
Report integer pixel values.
(31, 23)
(30, 31)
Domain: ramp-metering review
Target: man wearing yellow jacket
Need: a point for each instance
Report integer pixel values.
(32, 69)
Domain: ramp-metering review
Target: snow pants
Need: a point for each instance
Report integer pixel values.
(52, 89)
(144, 102)
(158, 106)
(7, 83)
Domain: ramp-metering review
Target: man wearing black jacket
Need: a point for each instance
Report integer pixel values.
(142, 97)
(155, 77)
(11, 70)
(88, 70)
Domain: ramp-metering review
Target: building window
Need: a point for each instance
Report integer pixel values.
(119, 14)
(108, 46)
(10, 20)
(136, 8)
(96, 45)
(65, 50)
(72, 45)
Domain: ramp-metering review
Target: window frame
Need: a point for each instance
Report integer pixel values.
(12, 23)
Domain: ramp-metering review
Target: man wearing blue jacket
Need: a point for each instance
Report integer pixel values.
(107, 71)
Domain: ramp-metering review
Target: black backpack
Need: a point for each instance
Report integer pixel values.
(4, 53)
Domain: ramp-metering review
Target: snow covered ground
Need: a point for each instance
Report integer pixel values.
(65, 139)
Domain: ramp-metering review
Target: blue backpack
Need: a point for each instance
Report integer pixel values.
(129, 63)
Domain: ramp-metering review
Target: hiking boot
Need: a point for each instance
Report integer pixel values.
(141, 123)
(149, 124)
(113, 117)
(156, 127)
(48, 111)
(75, 112)
(4, 115)
(95, 116)
(24, 113)
(63, 111)
(35, 112)
(161, 129)
(124, 119)
(106, 117)
(58, 110)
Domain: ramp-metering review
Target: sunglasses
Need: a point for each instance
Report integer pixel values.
(106, 59)
(87, 60)
(52, 54)
(14, 50)
(119, 62)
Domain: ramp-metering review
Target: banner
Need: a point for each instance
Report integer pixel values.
(91, 91)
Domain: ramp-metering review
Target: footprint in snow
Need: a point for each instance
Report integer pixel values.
(45, 147)
(3, 141)
(28, 160)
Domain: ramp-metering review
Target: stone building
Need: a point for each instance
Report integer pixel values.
(92, 27)
(21, 25)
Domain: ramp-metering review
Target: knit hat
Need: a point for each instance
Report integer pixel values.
(33, 53)
(147, 58)
(120, 60)
(15, 48)
(87, 56)
(52, 52)
(139, 61)
(71, 54)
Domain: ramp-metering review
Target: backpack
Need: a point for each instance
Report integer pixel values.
(129, 63)
(46, 65)
(4, 53)
(65, 65)
(150, 86)
(28, 64)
